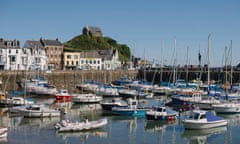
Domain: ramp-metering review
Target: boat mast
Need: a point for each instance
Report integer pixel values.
(144, 67)
(161, 61)
(209, 44)
(174, 61)
(226, 68)
(187, 65)
(231, 62)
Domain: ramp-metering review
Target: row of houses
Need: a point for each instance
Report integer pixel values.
(45, 54)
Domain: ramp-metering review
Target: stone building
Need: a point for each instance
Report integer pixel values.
(92, 31)
(54, 52)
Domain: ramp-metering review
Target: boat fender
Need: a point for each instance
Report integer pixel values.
(168, 117)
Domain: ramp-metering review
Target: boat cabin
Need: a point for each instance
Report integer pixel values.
(132, 103)
(33, 107)
(159, 109)
(63, 91)
(197, 115)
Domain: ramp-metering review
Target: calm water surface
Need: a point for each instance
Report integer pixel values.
(119, 130)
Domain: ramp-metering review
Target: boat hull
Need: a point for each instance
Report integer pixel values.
(150, 116)
(228, 109)
(185, 103)
(188, 124)
(66, 98)
(129, 112)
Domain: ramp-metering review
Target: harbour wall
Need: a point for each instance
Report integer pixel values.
(62, 79)
(69, 79)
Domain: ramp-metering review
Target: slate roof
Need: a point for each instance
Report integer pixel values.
(2, 45)
(106, 54)
(51, 42)
(33, 44)
(90, 54)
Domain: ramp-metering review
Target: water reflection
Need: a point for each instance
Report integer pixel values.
(201, 136)
(40, 122)
(157, 126)
(84, 135)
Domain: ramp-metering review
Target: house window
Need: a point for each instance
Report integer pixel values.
(82, 61)
(9, 51)
(68, 56)
(12, 59)
(76, 62)
(72, 62)
(94, 61)
(98, 61)
(9, 43)
(16, 51)
(75, 57)
(67, 62)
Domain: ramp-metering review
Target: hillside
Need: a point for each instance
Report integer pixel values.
(85, 43)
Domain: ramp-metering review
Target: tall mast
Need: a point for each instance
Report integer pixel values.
(231, 62)
(161, 61)
(226, 66)
(144, 68)
(174, 61)
(187, 65)
(209, 47)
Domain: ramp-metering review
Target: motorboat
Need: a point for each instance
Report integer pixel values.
(39, 111)
(200, 119)
(13, 100)
(63, 94)
(67, 126)
(86, 98)
(193, 97)
(133, 109)
(130, 93)
(161, 113)
(227, 107)
(107, 91)
(108, 104)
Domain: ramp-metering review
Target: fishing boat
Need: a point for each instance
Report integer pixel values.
(67, 126)
(108, 104)
(200, 119)
(86, 98)
(133, 109)
(63, 95)
(39, 111)
(161, 113)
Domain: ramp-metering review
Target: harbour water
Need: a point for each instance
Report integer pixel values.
(119, 130)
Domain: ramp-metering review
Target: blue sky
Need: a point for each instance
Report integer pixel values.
(147, 27)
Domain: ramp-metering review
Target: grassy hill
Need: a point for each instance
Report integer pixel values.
(84, 43)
